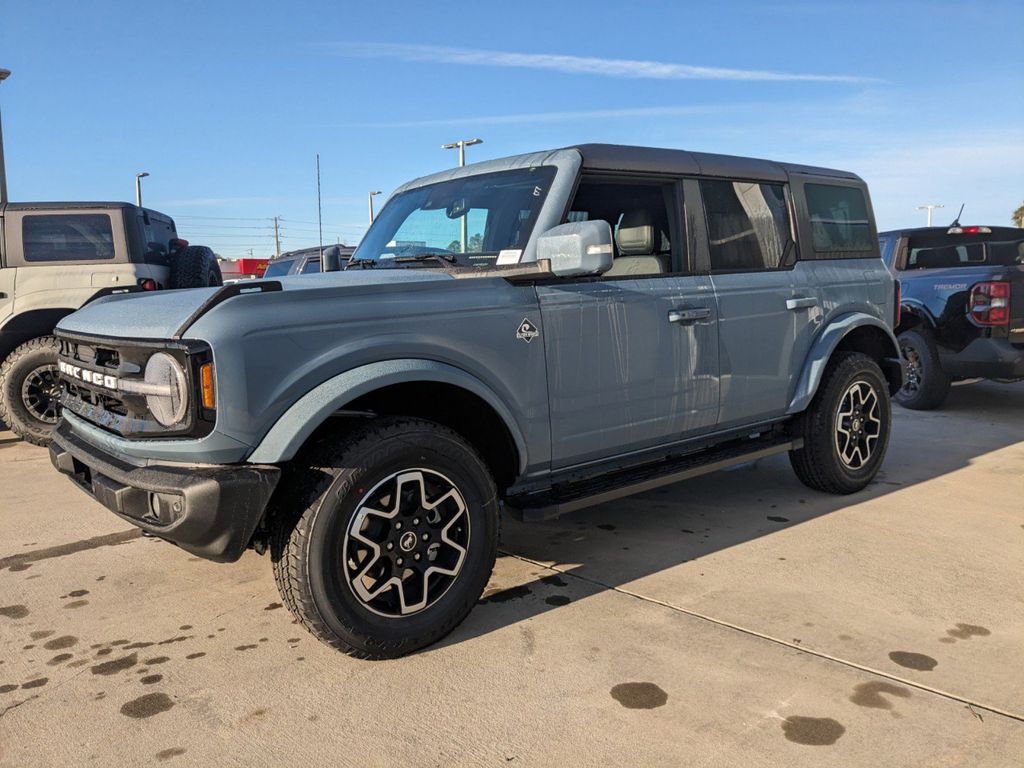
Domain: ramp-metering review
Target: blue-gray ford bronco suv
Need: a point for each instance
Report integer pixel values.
(537, 333)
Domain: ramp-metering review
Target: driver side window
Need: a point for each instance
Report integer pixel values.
(639, 214)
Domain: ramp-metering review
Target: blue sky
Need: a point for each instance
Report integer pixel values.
(226, 103)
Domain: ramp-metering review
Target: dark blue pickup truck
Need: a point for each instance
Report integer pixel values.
(962, 306)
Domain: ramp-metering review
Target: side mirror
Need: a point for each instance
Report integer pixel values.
(332, 259)
(578, 248)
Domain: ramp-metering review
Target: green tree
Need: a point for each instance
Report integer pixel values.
(476, 243)
(1018, 216)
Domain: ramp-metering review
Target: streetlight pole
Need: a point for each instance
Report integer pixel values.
(138, 187)
(930, 207)
(461, 145)
(369, 202)
(4, 74)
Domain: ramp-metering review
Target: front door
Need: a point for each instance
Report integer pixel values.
(632, 355)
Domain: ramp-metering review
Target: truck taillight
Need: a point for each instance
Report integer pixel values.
(177, 244)
(897, 310)
(990, 303)
(147, 284)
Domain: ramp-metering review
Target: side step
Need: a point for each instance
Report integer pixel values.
(560, 500)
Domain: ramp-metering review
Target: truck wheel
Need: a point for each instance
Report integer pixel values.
(30, 390)
(846, 427)
(382, 543)
(195, 267)
(926, 385)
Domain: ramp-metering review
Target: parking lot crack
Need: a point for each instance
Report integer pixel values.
(799, 647)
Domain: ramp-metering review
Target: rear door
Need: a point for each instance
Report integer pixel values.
(632, 356)
(766, 306)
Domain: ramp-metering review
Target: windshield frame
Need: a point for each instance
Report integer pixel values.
(539, 221)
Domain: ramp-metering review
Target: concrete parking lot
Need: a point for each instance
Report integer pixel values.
(737, 619)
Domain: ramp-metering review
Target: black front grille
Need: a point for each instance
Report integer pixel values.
(119, 412)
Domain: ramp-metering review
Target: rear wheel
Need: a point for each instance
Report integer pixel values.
(846, 428)
(30, 390)
(925, 385)
(388, 538)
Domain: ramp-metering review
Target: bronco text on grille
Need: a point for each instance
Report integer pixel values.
(114, 387)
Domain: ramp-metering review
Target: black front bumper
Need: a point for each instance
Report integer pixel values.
(986, 359)
(210, 511)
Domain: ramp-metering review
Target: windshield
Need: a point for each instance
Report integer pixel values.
(279, 268)
(940, 253)
(466, 222)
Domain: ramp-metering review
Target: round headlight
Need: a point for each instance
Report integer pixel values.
(170, 403)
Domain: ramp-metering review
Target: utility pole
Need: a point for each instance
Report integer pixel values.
(461, 145)
(138, 187)
(4, 74)
(277, 239)
(369, 202)
(930, 207)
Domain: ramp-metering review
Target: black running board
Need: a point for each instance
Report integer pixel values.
(616, 485)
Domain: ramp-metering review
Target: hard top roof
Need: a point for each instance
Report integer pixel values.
(619, 157)
(76, 204)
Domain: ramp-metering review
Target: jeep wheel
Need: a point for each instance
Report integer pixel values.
(925, 385)
(382, 544)
(195, 267)
(30, 390)
(846, 427)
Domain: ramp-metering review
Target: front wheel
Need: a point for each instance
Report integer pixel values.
(388, 538)
(30, 390)
(846, 428)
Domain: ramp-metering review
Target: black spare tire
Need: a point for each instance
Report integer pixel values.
(195, 267)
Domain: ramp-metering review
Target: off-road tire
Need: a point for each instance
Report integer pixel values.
(14, 411)
(931, 386)
(314, 506)
(819, 464)
(195, 267)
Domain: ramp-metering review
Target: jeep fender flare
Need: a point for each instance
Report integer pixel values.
(821, 352)
(292, 429)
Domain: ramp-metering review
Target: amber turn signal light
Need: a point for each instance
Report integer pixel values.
(206, 382)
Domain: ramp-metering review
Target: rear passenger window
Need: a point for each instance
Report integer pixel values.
(748, 225)
(81, 237)
(840, 225)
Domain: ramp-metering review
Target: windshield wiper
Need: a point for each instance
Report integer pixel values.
(445, 257)
(361, 263)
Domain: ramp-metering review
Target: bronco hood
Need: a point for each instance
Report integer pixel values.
(165, 314)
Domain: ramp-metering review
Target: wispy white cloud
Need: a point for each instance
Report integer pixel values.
(578, 65)
(560, 117)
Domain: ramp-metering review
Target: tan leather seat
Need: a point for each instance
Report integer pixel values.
(634, 241)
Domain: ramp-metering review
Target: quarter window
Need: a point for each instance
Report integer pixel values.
(839, 221)
(81, 237)
(748, 225)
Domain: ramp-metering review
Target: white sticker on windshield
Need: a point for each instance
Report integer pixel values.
(509, 256)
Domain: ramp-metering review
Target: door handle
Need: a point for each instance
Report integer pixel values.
(688, 316)
(801, 302)
(3, 295)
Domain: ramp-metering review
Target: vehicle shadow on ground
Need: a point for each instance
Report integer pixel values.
(619, 542)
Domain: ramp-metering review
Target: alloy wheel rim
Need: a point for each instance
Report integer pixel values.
(407, 542)
(912, 373)
(40, 392)
(858, 425)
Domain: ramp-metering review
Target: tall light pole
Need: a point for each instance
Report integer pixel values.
(461, 145)
(138, 187)
(369, 202)
(930, 207)
(4, 74)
